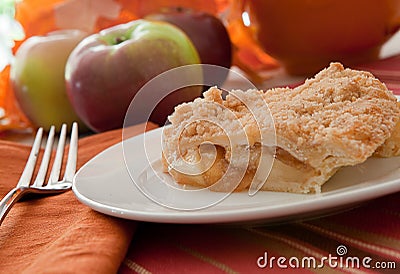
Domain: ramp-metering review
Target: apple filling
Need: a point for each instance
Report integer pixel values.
(285, 168)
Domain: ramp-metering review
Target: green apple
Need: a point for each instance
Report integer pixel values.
(37, 77)
(107, 69)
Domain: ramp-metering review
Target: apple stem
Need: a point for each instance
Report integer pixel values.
(119, 40)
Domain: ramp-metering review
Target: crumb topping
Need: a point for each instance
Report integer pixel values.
(340, 113)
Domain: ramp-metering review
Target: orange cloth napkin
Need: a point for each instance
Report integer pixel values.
(58, 234)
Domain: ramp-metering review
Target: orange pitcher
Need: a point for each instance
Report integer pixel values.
(305, 35)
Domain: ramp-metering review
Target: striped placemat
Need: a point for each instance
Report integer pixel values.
(365, 239)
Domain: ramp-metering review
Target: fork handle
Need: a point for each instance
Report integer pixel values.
(16, 193)
(9, 200)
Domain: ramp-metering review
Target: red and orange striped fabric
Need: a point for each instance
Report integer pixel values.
(369, 231)
(58, 234)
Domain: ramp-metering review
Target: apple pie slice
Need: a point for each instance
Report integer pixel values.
(338, 118)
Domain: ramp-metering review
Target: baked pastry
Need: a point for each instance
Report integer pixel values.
(391, 146)
(338, 118)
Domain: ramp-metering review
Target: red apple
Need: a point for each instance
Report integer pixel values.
(107, 69)
(206, 31)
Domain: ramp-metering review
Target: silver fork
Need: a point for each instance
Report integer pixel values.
(54, 184)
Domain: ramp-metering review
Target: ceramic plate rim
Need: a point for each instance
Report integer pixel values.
(265, 213)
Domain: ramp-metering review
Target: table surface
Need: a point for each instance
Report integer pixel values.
(58, 231)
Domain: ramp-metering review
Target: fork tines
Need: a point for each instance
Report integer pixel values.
(58, 159)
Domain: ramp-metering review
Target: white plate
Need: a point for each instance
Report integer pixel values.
(105, 185)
